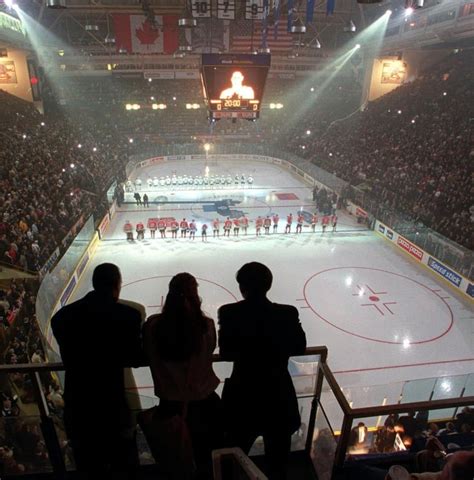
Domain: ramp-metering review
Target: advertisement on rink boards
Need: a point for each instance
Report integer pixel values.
(461, 283)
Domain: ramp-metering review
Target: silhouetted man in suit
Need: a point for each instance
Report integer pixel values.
(98, 337)
(259, 336)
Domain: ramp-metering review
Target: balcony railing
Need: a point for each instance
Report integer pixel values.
(324, 436)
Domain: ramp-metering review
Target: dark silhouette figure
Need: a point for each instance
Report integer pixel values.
(179, 344)
(259, 398)
(98, 337)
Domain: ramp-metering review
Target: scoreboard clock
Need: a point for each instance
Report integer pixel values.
(233, 84)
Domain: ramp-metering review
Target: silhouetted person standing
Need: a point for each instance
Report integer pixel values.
(98, 337)
(259, 398)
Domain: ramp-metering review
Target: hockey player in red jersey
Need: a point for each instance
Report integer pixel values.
(289, 221)
(140, 228)
(162, 227)
(314, 221)
(192, 229)
(334, 222)
(227, 227)
(236, 227)
(183, 225)
(299, 223)
(215, 227)
(174, 228)
(267, 223)
(275, 219)
(152, 225)
(258, 226)
(245, 224)
(128, 229)
(325, 222)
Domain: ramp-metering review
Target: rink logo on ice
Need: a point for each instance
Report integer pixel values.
(445, 272)
(389, 234)
(410, 248)
(470, 290)
(381, 228)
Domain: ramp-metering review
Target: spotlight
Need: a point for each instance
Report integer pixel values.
(357, 46)
(312, 89)
(79, 145)
(94, 149)
(150, 79)
(207, 147)
(174, 99)
(130, 140)
(56, 3)
(9, 3)
(24, 136)
(42, 124)
(72, 165)
(350, 27)
(308, 132)
(388, 12)
(408, 11)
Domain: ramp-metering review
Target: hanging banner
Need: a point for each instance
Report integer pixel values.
(330, 6)
(201, 8)
(265, 23)
(226, 9)
(290, 15)
(254, 9)
(277, 12)
(135, 34)
(309, 11)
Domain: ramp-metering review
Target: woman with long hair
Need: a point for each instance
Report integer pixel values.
(179, 343)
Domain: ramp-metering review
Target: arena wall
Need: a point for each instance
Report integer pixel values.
(15, 63)
(460, 283)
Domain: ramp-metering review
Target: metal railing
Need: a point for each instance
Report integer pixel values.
(324, 435)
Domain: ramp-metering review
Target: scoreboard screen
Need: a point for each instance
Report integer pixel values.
(233, 84)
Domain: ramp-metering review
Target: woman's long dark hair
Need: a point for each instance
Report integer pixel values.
(182, 325)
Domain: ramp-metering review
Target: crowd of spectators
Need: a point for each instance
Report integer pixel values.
(412, 148)
(52, 174)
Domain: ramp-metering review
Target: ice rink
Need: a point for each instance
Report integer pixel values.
(383, 318)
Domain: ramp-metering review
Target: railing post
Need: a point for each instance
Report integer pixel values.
(48, 430)
(343, 441)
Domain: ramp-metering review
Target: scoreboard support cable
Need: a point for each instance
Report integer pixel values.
(233, 84)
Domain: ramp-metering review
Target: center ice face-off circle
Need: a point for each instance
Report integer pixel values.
(378, 305)
(151, 292)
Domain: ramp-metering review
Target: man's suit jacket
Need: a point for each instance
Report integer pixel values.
(259, 336)
(97, 338)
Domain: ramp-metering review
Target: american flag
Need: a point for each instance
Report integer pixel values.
(242, 37)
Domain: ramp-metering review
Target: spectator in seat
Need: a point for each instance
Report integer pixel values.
(98, 337)
(179, 343)
(259, 398)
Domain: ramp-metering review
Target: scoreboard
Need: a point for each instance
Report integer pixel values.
(233, 84)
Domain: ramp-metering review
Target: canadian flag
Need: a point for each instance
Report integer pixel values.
(135, 34)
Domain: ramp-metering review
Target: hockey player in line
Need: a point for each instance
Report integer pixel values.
(174, 229)
(215, 228)
(128, 229)
(245, 224)
(152, 225)
(258, 226)
(236, 227)
(275, 219)
(267, 223)
(289, 221)
(184, 227)
(192, 229)
(146, 203)
(299, 223)
(227, 227)
(314, 221)
(140, 231)
(162, 227)
(325, 222)
(138, 198)
(334, 222)
(204, 232)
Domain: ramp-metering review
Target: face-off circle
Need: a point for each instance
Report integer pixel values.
(152, 293)
(378, 305)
